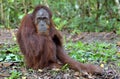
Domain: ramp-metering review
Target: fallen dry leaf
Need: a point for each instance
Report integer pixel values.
(5, 74)
(102, 65)
(24, 77)
(77, 74)
(40, 70)
(118, 53)
(66, 76)
(56, 69)
(5, 64)
(118, 43)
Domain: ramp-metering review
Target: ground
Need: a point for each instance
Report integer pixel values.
(113, 71)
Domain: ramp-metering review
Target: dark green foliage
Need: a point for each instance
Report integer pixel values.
(80, 15)
(98, 52)
(9, 53)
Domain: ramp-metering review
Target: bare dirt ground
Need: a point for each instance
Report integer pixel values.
(8, 37)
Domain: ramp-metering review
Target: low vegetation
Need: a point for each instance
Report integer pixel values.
(85, 15)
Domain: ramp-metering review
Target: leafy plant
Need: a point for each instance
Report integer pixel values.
(75, 16)
(99, 52)
(14, 75)
(9, 53)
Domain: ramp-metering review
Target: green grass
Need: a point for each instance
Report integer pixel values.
(93, 52)
(14, 75)
(96, 52)
(10, 53)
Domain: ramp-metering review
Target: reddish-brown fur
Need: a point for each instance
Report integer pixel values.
(46, 50)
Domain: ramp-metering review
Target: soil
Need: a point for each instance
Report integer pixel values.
(112, 70)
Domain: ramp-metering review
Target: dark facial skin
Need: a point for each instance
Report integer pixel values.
(42, 21)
